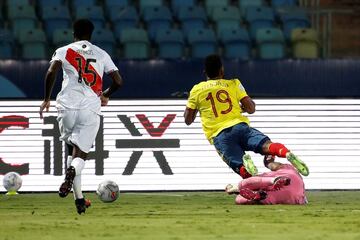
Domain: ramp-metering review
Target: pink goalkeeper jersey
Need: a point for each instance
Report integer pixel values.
(292, 194)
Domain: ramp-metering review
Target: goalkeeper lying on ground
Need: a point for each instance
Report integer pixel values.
(282, 185)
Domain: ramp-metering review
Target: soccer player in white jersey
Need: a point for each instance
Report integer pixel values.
(79, 101)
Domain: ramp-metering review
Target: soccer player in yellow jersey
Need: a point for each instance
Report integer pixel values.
(221, 103)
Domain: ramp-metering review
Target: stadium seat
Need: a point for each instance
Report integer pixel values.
(6, 44)
(50, 2)
(202, 42)
(294, 18)
(33, 35)
(237, 44)
(22, 17)
(110, 4)
(123, 18)
(82, 3)
(17, 2)
(270, 43)
(259, 17)
(116, 3)
(226, 18)
(105, 39)
(213, 4)
(149, 3)
(192, 18)
(19, 25)
(283, 3)
(305, 43)
(46, 3)
(62, 37)
(244, 4)
(157, 18)
(171, 43)
(55, 17)
(94, 13)
(33, 44)
(136, 43)
(177, 4)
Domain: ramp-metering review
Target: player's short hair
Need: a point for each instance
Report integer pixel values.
(83, 29)
(213, 65)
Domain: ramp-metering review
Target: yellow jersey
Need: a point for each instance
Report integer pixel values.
(218, 102)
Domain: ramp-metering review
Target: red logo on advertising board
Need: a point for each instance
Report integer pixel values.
(159, 131)
(5, 123)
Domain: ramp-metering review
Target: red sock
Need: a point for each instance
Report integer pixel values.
(244, 173)
(278, 149)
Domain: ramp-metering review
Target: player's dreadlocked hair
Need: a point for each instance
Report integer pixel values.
(213, 66)
(83, 29)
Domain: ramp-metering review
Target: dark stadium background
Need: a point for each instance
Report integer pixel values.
(160, 63)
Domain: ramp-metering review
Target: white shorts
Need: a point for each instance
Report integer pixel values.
(78, 127)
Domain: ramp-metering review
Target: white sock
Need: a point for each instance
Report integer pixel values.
(79, 165)
(68, 161)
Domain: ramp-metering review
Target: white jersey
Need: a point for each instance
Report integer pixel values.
(83, 67)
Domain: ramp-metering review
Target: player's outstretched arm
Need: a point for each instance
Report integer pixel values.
(117, 82)
(50, 78)
(189, 115)
(248, 105)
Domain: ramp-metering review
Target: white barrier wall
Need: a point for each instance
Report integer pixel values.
(139, 153)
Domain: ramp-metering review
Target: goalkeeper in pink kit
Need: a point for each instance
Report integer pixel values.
(282, 185)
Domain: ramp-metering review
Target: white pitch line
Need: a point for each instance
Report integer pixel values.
(157, 194)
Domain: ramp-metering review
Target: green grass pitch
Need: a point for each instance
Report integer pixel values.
(179, 215)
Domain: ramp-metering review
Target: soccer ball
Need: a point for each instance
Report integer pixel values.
(12, 182)
(108, 191)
